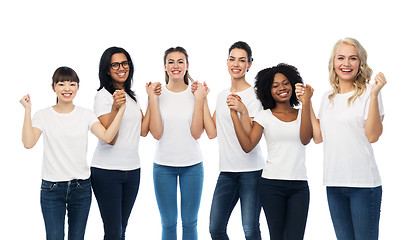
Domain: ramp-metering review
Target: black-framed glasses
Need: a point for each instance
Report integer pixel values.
(116, 65)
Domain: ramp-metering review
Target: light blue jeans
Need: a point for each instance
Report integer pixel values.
(165, 180)
(355, 212)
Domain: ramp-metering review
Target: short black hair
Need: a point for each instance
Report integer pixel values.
(244, 46)
(63, 74)
(264, 81)
(104, 65)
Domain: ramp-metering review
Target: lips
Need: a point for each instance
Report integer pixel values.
(67, 94)
(346, 70)
(121, 74)
(236, 70)
(283, 94)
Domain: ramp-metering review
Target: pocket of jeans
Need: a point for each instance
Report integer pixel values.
(48, 186)
(84, 184)
(157, 166)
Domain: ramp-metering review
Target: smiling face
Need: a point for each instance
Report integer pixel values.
(176, 65)
(237, 63)
(346, 62)
(281, 89)
(65, 91)
(119, 75)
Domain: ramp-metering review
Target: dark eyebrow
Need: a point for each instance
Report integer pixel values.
(239, 58)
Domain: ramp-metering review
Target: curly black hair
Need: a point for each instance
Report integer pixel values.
(264, 81)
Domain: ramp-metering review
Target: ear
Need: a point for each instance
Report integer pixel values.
(53, 87)
(249, 66)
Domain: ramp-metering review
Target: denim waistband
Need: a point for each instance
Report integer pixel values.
(68, 183)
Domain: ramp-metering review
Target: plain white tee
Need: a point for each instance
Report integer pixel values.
(177, 147)
(65, 141)
(348, 155)
(286, 153)
(231, 156)
(124, 155)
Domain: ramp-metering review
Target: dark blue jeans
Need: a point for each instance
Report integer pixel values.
(115, 192)
(165, 180)
(285, 204)
(230, 187)
(56, 197)
(355, 212)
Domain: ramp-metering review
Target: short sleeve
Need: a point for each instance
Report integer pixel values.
(103, 102)
(260, 118)
(324, 100)
(91, 118)
(37, 122)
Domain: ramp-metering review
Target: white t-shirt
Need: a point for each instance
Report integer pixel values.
(124, 155)
(286, 153)
(177, 147)
(65, 139)
(348, 154)
(231, 156)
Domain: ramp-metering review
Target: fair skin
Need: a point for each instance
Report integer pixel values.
(281, 92)
(346, 66)
(119, 77)
(176, 66)
(238, 65)
(65, 92)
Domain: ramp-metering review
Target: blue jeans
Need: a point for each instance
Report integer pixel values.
(55, 198)
(355, 212)
(115, 192)
(285, 204)
(230, 187)
(165, 180)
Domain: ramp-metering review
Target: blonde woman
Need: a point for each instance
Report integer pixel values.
(350, 119)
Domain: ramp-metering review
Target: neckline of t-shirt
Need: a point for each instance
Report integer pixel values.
(187, 89)
(63, 114)
(229, 90)
(298, 115)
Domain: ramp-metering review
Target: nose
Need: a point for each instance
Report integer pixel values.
(346, 62)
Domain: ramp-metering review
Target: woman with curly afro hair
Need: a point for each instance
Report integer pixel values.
(283, 187)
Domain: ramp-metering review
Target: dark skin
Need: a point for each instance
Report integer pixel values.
(281, 92)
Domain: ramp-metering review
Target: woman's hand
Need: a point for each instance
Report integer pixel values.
(234, 102)
(153, 89)
(303, 92)
(25, 101)
(200, 90)
(379, 82)
(119, 98)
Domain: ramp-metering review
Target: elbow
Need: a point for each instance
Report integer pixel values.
(212, 136)
(318, 140)
(144, 134)
(373, 139)
(246, 149)
(27, 146)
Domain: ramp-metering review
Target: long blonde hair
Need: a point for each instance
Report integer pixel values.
(363, 75)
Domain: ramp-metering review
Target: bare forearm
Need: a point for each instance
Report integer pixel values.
(155, 121)
(197, 124)
(317, 136)
(374, 126)
(28, 136)
(242, 136)
(306, 128)
(209, 122)
(145, 122)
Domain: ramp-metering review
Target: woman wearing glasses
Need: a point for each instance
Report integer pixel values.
(116, 166)
(65, 172)
(177, 122)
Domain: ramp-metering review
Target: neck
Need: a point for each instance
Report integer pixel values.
(64, 107)
(119, 86)
(177, 85)
(282, 107)
(239, 84)
(345, 86)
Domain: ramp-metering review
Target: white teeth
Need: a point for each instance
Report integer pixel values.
(121, 74)
(346, 70)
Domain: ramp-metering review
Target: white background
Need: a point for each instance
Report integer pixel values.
(39, 36)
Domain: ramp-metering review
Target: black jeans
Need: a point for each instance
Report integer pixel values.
(285, 204)
(115, 192)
